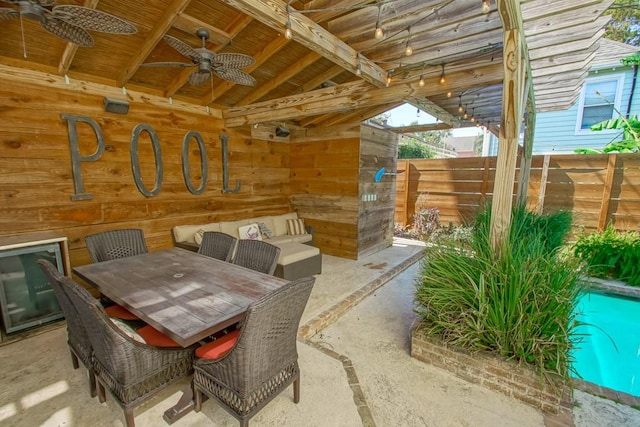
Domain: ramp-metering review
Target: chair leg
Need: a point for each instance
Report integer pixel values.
(296, 390)
(244, 423)
(102, 397)
(129, 418)
(74, 360)
(198, 398)
(92, 384)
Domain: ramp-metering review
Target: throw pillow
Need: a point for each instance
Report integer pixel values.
(295, 227)
(250, 232)
(198, 236)
(264, 230)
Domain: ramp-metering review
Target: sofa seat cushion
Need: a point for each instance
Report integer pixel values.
(293, 252)
(278, 240)
(302, 238)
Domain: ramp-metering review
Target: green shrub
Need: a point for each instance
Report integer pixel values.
(517, 302)
(611, 254)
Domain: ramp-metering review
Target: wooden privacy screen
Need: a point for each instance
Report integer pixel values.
(598, 189)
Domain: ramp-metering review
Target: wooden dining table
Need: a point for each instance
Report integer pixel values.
(185, 295)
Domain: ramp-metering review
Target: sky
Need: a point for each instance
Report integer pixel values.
(405, 114)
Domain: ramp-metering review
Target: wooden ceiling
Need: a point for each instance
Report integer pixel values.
(333, 71)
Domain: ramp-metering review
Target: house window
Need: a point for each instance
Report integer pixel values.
(599, 100)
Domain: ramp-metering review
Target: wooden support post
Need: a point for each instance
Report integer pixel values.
(407, 171)
(509, 130)
(527, 148)
(606, 192)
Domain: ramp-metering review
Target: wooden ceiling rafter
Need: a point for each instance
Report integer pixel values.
(273, 13)
(153, 38)
(430, 127)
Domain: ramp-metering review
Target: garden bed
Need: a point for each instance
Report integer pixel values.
(494, 373)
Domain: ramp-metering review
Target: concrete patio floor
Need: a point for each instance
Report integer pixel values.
(354, 361)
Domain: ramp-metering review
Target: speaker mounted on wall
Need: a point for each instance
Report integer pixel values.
(115, 106)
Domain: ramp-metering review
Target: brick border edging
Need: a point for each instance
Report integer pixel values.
(333, 313)
(507, 377)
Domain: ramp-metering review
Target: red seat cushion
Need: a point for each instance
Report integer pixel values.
(154, 337)
(219, 347)
(119, 312)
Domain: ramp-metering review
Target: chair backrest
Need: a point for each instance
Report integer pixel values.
(114, 350)
(267, 340)
(257, 255)
(116, 244)
(217, 245)
(77, 333)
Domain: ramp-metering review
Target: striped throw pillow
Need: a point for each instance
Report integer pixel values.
(295, 227)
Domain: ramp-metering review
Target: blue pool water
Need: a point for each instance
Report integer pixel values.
(609, 319)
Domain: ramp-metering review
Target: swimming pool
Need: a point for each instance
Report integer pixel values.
(609, 319)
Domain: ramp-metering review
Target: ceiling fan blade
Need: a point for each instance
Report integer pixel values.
(199, 77)
(232, 60)
(7, 13)
(94, 20)
(68, 32)
(183, 48)
(167, 64)
(236, 76)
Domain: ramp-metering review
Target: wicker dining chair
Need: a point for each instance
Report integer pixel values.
(263, 361)
(257, 255)
(115, 244)
(217, 245)
(133, 372)
(77, 335)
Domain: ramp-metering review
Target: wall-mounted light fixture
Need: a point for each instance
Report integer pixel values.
(117, 106)
(282, 131)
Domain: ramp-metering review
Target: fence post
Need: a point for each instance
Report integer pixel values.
(543, 182)
(606, 192)
(407, 171)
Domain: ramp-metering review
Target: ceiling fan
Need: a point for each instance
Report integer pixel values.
(224, 65)
(69, 22)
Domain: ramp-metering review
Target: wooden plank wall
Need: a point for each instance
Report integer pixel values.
(378, 149)
(36, 181)
(325, 187)
(598, 189)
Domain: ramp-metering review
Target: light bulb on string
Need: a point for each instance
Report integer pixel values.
(449, 94)
(460, 109)
(443, 80)
(287, 32)
(408, 50)
(473, 116)
(486, 6)
(378, 33)
(465, 115)
(421, 82)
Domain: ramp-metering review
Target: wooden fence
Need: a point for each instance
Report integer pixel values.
(598, 189)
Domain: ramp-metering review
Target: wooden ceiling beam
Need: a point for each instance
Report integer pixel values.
(155, 35)
(273, 13)
(360, 115)
(433, 109)
(431, 127)
(190, 24)
(71, 49)
(317, 81)
(352, 96)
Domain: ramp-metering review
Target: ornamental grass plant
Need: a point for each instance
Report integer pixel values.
(517, 302)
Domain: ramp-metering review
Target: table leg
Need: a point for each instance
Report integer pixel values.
(185, 405)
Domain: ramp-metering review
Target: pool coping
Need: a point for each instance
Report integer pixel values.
(618, 288)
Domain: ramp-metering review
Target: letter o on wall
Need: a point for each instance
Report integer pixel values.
(135, 161)
(204, 170)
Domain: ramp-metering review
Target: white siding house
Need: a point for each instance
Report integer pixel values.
(605, 94)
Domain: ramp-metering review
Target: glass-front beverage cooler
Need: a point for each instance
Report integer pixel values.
(26, 297)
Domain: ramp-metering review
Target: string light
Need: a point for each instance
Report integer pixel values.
(449, 94)
(460, 109)
(421, 82)
(379, 33)
(388, 79)
(465, 115)
(287, 32)
(486, 6)
(473, 116)
(443, 80)
(408, 50)
(358, 67)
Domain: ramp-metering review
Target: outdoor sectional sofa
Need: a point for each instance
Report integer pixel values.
(298, 257)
